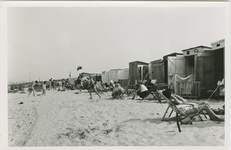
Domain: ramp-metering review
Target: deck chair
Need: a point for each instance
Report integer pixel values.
(120, 96)
(153, 90)
(179, 113)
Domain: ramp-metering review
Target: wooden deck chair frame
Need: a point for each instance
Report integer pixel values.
(177, 111)
(120, 96)
(164, 118)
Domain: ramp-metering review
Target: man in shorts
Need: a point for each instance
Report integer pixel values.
(78, 84)
(92, 87)
(32, 88)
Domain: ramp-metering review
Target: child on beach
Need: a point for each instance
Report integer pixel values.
(44, 88)
(92, 87)
(32, 88)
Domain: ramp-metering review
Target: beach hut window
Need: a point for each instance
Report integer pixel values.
(188, 52)
(218, 45)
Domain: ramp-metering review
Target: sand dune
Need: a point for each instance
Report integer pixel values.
(69, 119)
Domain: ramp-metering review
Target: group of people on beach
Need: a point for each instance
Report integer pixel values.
(142, 90)
(32, 89)
(189, 109)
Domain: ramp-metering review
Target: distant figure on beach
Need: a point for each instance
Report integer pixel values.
(44, 88)
(117, 90)
(92, 87)
(111, 85)
(105, 86)
(60, 86)
(142, 90)
(63, 83)
(54, 84)
(50, 83)
(32, 88)
(78, 83)
(190, 109)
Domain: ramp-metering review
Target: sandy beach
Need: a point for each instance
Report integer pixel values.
(71, 119)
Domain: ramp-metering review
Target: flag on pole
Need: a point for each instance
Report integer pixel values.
(79, 67)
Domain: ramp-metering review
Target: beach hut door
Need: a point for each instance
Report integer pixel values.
(175, 66)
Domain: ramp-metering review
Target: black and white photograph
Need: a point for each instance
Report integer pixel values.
(108, 74)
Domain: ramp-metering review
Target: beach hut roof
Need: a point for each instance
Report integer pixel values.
(201, 46)
(115, 69)
(172, 54)
(138, 62)
(157, 61)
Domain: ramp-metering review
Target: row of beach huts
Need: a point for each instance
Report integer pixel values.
(193, 72)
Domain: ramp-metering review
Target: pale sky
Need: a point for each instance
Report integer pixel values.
(50, 42)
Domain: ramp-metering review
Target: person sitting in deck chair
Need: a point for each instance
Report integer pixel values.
(149, 85)
(117, 91)
(111, 85)
(142, 91)
(190, 109)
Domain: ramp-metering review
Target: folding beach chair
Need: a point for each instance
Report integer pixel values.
(153, 90)
(179, 112)
(120, 96)
(127, 90)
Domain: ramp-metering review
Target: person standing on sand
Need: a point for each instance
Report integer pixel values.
(92, 87)
(32, 88)
(78, 84)
(44, 88)
(54, 84)
(59, 85)
(49, 83)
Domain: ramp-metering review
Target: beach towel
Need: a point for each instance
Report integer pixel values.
(183, 85)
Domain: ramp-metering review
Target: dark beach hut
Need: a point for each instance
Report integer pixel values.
(156, 70)
(137, 71)
(198, 62)
(206, 64)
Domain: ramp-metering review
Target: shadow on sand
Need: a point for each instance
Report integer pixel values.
(156, 120)
(205, 124)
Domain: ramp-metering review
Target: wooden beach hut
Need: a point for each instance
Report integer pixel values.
(156, 70)
(115, 75)
(198, 63)
(96, 76)
(138, 70)
(173, 64)
(206, 64)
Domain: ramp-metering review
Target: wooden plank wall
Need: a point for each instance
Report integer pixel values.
(205, 71)
(157, 72)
